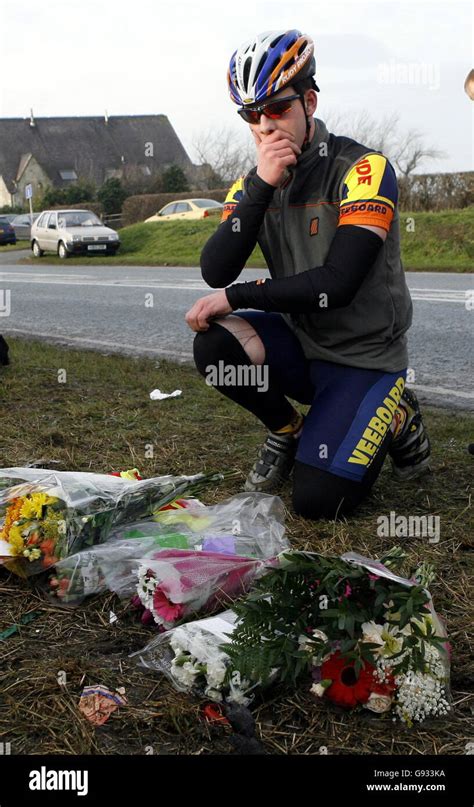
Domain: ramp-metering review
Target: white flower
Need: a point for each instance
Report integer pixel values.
(420, 695)
(179, 640)
(319, 634)
(62, 527)
(318, 689)
(186, 674)
(372, 633)
(378, 703)
(215, 673)
(386, 636)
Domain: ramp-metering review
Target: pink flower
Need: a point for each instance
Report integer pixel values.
(164, 608)
(347, 592)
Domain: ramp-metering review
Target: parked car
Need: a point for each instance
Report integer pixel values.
(188, 209)
(7, 233)
(72, 232)
(22, 225)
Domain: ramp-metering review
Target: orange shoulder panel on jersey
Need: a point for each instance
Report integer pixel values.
(369, 193)
(233, 198)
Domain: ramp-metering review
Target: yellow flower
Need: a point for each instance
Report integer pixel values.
(33, 506)
(28, 509)
(15, 538)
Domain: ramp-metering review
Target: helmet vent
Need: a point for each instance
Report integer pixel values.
(276, 41)
(247, 66)
(261, 64)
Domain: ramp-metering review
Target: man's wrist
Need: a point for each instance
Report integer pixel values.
(244, 295)
(259, 190)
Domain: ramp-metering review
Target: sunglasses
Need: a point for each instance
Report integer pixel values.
(273, 110)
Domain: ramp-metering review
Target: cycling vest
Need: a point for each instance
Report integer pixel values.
(338, 181)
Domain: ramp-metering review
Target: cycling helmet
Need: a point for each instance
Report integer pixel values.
(264, 65)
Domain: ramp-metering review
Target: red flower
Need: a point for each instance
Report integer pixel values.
(347, 689)
(167, 610)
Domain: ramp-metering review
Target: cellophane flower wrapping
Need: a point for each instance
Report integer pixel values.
(368, 637)
(47, 515)
(193, 658)
(177, 584)
(248, 524)
(235, 535)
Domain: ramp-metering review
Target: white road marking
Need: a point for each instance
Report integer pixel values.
(424, 288)
(443, 391)
(190, 284)
(152, 284)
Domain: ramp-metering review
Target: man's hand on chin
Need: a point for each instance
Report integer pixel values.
(206, 308)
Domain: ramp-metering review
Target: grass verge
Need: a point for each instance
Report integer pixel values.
(22, 244)
(101, 419)
(430, 242)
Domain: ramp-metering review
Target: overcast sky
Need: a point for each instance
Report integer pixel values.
(80, 57)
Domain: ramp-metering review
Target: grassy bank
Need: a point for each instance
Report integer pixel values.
(101, 419)
(430, 242)
(21, 244)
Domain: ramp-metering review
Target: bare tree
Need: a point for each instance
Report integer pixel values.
(223, 156)
(405, 150)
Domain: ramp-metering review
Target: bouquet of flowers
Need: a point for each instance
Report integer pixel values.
(247, 524)
(244, 526)
(367, 637)
(193, 657)
(175, 584)
(50, 515)
(84, 573)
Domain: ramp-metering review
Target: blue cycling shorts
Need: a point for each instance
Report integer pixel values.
(351, 408)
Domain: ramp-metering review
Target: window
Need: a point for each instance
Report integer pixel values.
(42, 220)
(182, 207)
(68, 174)
(78, 218)
(52, 221)
(206, 203)
(168, 209)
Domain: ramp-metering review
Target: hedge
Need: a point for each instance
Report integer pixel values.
(139, 208)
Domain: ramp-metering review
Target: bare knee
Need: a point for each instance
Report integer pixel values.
(247, 336)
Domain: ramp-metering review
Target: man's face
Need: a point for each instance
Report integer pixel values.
(293, 122)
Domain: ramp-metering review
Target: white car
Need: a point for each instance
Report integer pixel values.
(72, 232)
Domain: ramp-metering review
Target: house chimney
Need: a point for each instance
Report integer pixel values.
(32, 120)
(106, 118)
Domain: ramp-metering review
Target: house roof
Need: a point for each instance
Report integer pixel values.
(90, 145)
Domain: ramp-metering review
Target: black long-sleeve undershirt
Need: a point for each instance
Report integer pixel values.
(333, 285)
(351, 255)
(225, 254)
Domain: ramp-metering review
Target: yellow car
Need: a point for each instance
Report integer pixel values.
(187, 209)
